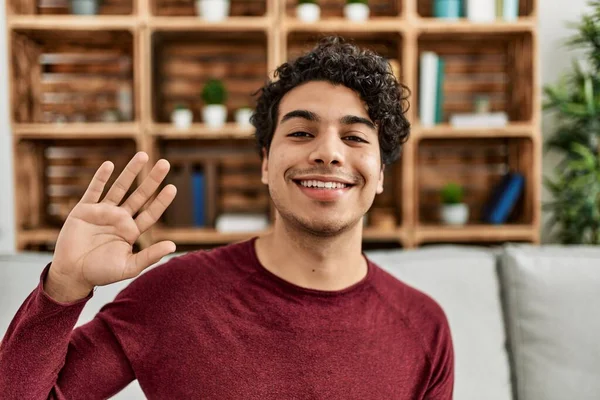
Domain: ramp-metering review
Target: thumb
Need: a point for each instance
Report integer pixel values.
(147, 257)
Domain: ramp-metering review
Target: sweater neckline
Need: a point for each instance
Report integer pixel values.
(291, 287)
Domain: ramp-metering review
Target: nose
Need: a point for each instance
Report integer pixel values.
(328, 149)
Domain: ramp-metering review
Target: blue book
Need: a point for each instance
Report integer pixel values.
(198, 198)
(504, 198)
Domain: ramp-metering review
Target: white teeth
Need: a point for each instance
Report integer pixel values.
(323, 185)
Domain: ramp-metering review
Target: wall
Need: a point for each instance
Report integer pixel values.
(555, 60)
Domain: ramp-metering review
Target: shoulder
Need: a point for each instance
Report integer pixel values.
(422, 314)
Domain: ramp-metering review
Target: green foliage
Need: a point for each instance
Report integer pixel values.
(214, 92)
(307, 1)
(574, 102)
(576, 192)
(452, 193)
(357, 2)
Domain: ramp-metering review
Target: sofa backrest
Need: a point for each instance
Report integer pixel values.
(552, 305)
(464, 282)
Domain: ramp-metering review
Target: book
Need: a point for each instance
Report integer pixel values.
(503, 198)
(479, 120)
(439, 98)
(198, 198)
(428, 87)
(510, 10)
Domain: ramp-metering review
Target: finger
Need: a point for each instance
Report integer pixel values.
(150, 215)
(96, 186)
(125, 180)
(143, 193)
(147, 257)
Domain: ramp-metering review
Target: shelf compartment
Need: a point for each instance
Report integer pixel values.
(184, 61)
(388, 44)
(425, 8)
(238, 8)
(478, 164)
(213, 177)
(53, 174)
(335, 8)
(496, 65)
(61, 7)
(72, 76)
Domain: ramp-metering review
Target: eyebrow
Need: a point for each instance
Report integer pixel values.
(311, 116)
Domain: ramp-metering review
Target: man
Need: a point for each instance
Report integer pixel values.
(299, 313)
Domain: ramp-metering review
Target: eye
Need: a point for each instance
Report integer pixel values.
(356, 139)
(300, 134)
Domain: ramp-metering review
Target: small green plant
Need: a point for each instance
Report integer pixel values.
(307, 2)
(214, 92)
(452, 193)
(357, 2)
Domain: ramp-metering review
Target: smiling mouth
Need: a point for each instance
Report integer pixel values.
(320, 185)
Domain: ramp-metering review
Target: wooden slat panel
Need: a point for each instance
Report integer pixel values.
(334, 8)
(477, 164)
(185, 63)
(238, 8)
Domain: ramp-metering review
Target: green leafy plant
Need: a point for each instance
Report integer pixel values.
(452, 193)
(575, 104)
(307, 2)
(576, 192)
(357, 1)
(214, 92)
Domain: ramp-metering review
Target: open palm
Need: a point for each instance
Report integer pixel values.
(95, 244)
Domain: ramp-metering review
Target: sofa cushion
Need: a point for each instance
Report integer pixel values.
(552, 297)
(464, 281)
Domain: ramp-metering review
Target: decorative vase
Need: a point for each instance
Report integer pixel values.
(308, 12)
(242, 116)
(84, 7)
(213, 10)
(356, 12)
(455, 214)
(214, 115)
(182, 118)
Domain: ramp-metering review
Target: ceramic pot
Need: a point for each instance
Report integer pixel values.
(356, 12)
(242, 116)
(308, 12)
(182, 118)
(454, 214)
(214, 115)
(213, 10)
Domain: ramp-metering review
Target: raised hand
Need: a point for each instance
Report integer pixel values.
(95, 245)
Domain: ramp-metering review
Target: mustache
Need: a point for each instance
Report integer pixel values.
(334, 173)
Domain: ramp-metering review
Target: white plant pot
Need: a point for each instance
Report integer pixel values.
(213, 10)
(356, 12)
(214, 115)
(182, 119)
(242, 116)
(308, 12)
(481, 10)
(454, 214)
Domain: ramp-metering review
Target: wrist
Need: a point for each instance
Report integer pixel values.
(63, 290)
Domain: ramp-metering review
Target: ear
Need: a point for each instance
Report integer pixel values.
(380, 181)
(265, 167)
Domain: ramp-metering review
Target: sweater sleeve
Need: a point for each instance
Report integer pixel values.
(42, 356)
(441, 385)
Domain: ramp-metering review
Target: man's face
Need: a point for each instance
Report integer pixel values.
(324, 137)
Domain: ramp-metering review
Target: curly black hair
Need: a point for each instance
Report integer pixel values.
(340, 62)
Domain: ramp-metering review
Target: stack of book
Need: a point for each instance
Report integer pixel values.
(477, 10)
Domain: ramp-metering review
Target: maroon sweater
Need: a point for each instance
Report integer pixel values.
(218, 325)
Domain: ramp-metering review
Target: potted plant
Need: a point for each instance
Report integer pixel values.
(242, 116)
(356, 10)
(574, 208)
(213, 10)
(181, 116)
(453, 210)
(214, 112)
(84, 7)
(308, 10)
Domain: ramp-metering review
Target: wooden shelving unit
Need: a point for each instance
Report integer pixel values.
(159, 52)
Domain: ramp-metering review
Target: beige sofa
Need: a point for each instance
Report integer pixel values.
(525, 320)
